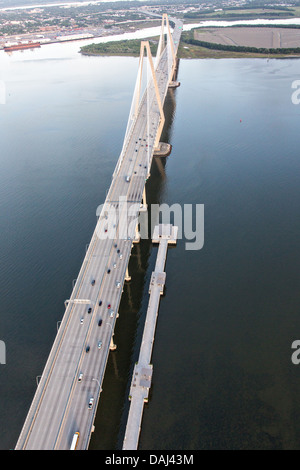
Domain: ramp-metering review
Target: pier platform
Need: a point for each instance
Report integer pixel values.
(163, 150)
(174, 84)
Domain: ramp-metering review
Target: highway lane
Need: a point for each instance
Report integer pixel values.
(95, 375)
(60, 406)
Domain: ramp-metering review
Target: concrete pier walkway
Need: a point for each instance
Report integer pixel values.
(164, 234)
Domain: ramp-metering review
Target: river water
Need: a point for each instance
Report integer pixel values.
(223, 376)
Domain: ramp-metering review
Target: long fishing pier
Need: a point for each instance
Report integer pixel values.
(63, 409)
(165, 235)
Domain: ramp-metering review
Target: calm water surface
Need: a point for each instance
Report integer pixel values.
(223, 376)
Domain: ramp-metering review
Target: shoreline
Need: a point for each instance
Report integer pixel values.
(186, 50)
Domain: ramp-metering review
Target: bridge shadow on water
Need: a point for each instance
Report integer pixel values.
(111, 417)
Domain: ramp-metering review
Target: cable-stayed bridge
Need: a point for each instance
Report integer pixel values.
(68, 392)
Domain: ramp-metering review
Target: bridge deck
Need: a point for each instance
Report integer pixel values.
(60, 406)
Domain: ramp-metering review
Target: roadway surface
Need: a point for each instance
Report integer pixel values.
(60, 406)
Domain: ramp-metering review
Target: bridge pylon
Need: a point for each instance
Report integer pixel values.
(145, 52)
(163, 46)
(169, 44)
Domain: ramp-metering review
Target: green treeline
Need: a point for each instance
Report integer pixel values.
(287, 26)
(257, 50)
(247, 15)
(244, 12)
(126, 47)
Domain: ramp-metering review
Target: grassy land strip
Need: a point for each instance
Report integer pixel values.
(247, 12)
(118, 48)
(191, 48)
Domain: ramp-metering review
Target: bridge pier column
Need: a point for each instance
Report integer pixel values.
(112, 346)
(127, 275)
(144, 201)
(137, 235)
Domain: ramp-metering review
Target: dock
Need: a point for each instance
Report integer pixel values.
(164, 234)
